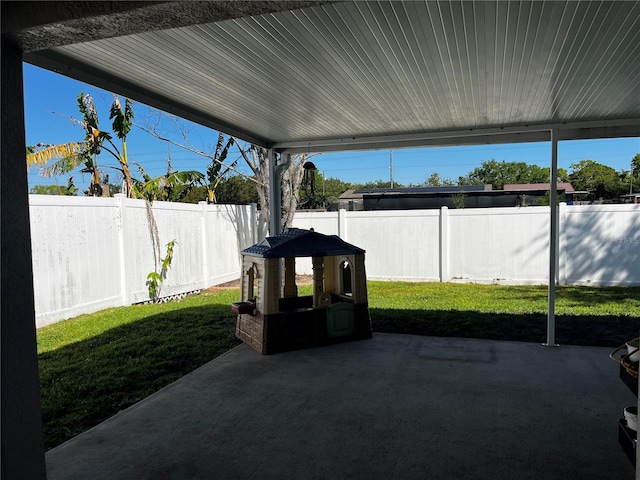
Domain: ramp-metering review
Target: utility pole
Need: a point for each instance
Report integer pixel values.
(324, 197)
(323, 183)
(391, 167)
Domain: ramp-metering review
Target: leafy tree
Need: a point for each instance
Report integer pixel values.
(237, 190)
(435, 180)
(601, 181)
(377, 184)
(113, 189)
(634, 177)
(497, 174)
(327, 193)
(194, 195)
(333, 188)
(311, 201)
(231, 190)
(69, 190)
(47, 190)
(635, 166)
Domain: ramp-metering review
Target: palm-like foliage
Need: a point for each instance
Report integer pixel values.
(41, 154)
(214, 176)
(122, 122)
(71, 155)
(159, 188)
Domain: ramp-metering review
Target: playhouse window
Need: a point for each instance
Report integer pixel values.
(345, 270)
(251, 284)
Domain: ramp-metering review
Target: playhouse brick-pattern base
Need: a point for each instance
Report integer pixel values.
(287, 331)
(251, 330)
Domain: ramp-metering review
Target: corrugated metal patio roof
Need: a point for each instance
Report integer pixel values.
(364, 74)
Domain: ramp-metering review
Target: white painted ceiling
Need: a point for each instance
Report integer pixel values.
(363, 74)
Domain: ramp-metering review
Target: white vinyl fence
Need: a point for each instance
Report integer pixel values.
(598, 244)
(94, 253)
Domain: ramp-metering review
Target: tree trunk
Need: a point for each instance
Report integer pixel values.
(257, 159)
(291, 180)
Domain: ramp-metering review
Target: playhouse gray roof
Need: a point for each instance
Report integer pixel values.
(297, 242)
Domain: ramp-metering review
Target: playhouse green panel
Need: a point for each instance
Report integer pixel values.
(340, 319)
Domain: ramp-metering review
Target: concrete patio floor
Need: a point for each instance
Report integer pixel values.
(394, 407)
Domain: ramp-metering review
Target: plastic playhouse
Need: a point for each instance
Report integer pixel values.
(273, 318)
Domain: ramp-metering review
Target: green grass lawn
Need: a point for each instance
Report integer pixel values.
(590, 316)
(94, 365)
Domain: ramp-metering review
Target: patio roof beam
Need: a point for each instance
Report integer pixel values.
(474, 136)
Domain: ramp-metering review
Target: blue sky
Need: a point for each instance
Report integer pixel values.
(51, 98)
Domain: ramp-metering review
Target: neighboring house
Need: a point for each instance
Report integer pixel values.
(535, 191)
(469, 196)
(633, 197)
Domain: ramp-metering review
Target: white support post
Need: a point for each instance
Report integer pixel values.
(553, 242)
(275, 195)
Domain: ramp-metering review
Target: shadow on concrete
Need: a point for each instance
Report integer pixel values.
(586, 330)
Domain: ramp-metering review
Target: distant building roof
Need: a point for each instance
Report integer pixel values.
(350, 195)
(446, 190)
(297, 242)
(566, 186)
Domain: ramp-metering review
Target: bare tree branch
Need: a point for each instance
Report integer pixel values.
(193, 150)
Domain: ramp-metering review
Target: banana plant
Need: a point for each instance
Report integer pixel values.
(122, 122)
(94, 139)
(40, 154)
(214, 176)
(71, 155)
(159, 188)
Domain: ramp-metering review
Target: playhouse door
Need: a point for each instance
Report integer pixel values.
(340, 319)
